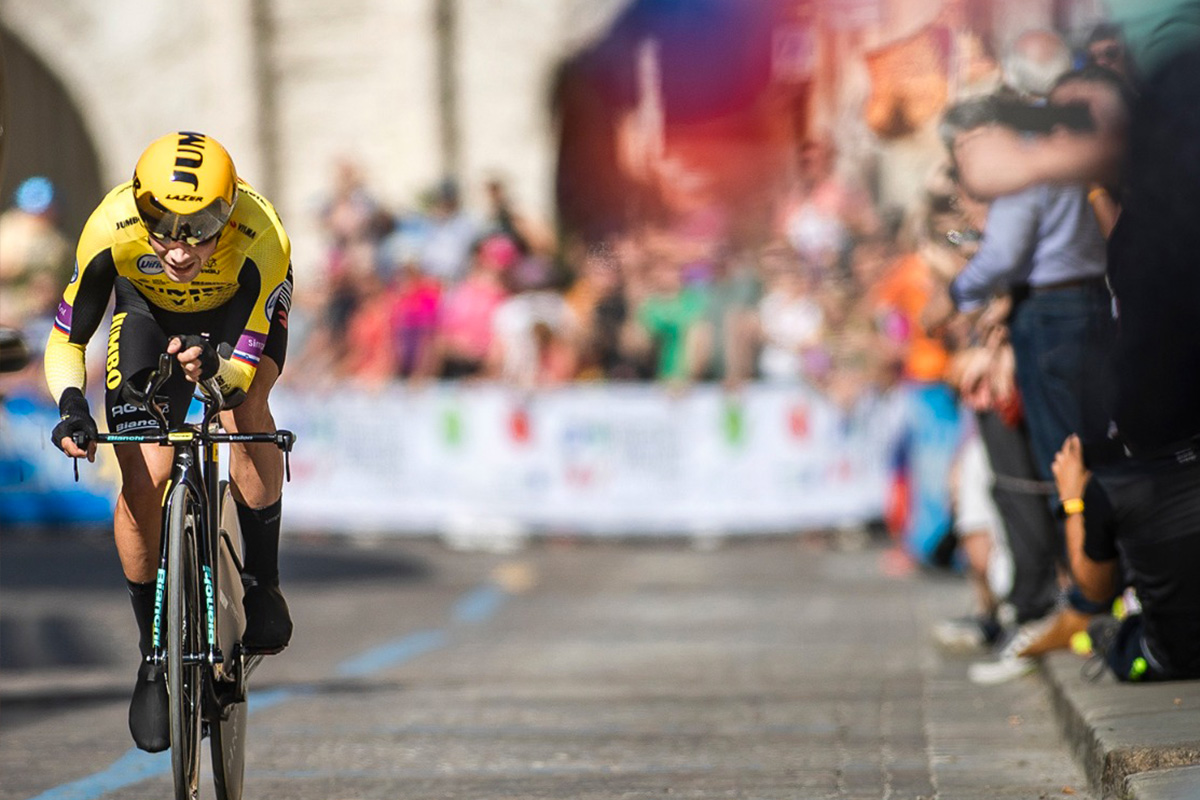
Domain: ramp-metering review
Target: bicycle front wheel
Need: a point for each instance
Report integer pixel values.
(185, 623)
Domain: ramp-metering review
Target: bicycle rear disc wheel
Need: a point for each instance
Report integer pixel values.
(227, 738)
(185, 620)
(227, 731)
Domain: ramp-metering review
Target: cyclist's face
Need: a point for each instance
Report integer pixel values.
(182, 262)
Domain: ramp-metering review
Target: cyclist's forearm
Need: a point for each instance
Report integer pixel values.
(233, 374)
(65, 364)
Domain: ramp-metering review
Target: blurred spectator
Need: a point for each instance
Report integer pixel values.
(825, 209)
(446, 247)
(791, 321)
(416, 308)
(734, 292)
(601, 309)
(33, 253)
(1047, 237)
(1105, 48)
(464, 333)
(1147, 514)
(852, 344)
(370, 356)
(1045, 243)
(897, 296)
(1033, 64)
(310, 335)
(984, 372)
(503, 218)
(673, 315)
(354, 222)
(981, 539)
(534, 337)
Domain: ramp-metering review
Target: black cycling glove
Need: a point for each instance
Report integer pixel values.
(76, 419)
(210, 362)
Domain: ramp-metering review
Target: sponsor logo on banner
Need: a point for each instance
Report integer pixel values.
(627, 461)
(149, 265)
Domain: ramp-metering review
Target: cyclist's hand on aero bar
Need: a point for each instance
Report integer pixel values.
(76, 433)
(197, 357)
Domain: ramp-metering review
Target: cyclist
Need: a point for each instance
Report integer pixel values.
(200, 266)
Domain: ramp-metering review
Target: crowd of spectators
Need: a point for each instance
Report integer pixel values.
(993, 300)
(832, 300)
(1087, 175)
(35, 259)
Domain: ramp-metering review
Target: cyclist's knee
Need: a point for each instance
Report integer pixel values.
(144, 474)
(252, 415)
(143, 467)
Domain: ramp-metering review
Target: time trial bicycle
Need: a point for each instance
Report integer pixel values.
(198, 614)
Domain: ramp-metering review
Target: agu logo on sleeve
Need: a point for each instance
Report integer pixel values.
(281, 296)
(149, 265)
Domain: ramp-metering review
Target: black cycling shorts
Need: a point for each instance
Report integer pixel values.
(140, 332)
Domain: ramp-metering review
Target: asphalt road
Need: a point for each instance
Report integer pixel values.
(783, 668)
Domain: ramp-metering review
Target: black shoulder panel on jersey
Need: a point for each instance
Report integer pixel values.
(91, 298)
(249, 285)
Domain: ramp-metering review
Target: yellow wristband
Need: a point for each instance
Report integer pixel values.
(1072, 506)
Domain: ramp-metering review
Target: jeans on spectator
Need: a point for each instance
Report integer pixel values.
(1061, 340)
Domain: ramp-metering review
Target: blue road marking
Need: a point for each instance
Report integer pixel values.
(391, 654)
(272, 697)
(135, 766)
(479, 605)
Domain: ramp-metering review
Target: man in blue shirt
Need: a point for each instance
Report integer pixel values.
(1043, 246)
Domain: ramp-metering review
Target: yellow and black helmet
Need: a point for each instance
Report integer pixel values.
(185, 187)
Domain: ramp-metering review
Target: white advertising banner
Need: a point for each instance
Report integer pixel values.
(602, 460)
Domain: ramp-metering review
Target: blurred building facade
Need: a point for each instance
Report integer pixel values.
(418, 90)
(413, 90)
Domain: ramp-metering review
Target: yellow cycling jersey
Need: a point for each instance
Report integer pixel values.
(253, 249)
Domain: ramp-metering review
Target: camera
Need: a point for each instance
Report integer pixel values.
(1042, 119)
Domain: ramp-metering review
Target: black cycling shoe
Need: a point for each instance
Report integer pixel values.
(149, 722)
(268, 623)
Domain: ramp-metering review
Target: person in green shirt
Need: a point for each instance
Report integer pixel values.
(673, 315)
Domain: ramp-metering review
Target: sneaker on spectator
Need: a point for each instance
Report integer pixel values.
(1102, 632)
(1064, 624)
(966, 634)
(1009, 665)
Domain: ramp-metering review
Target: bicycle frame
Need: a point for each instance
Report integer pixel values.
(211, 683)
(196, 464)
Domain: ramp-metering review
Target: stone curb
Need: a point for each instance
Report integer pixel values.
(1134, 742)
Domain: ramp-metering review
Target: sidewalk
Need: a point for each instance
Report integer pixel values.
(1140, 742)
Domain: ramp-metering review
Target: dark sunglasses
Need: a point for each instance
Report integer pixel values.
(1110, 52)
